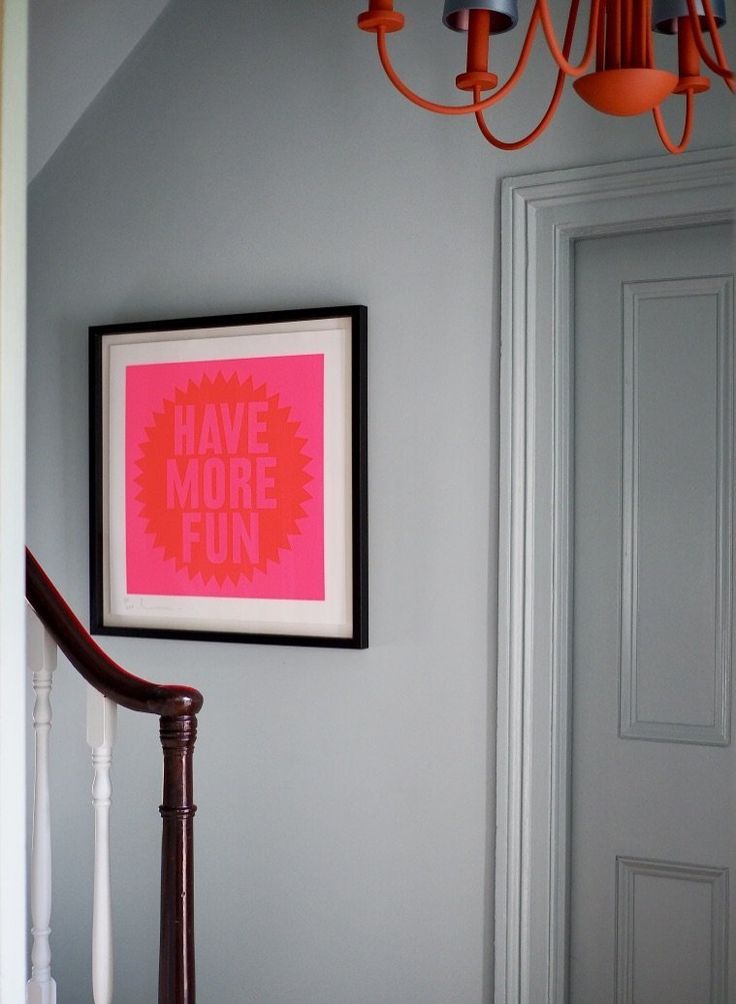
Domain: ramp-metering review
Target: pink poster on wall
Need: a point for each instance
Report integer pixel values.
(224, 478)
(229, 478)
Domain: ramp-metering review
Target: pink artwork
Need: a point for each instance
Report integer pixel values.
(229, 478)
(224, 478)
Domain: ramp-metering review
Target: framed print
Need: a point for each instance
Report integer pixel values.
(228, 478)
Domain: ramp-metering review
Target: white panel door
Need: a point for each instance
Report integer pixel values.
(653, 769)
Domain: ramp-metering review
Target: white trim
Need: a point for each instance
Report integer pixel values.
(627, 871)
(102, 716)
(542, 217)
(13, 62)
(42, 659)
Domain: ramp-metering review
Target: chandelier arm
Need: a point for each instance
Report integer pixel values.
(559, 55)
(479, 104)
(716, 37)
(417, 99)
(664, 135)
(719, 65)
(537, 131)
(554, 102)
(520, 65)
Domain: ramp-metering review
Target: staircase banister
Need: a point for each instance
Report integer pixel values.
(97, 668)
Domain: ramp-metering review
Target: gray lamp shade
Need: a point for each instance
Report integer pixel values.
(666, 12)
(504, 14)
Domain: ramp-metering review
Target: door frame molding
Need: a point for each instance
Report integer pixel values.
(13, 680)
(543, 215)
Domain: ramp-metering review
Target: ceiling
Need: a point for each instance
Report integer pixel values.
(75, 47)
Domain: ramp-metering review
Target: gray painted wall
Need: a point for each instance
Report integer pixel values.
(241, 162)
(74, 49)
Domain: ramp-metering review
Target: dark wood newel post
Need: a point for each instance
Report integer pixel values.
(176, 961)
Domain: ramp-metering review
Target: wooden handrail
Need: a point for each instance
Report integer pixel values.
(177, 708)
(97, 668)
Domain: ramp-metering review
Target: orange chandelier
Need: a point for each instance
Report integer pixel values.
(619, 44)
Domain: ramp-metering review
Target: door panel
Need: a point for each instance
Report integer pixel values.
(677, 445)
(653, 827)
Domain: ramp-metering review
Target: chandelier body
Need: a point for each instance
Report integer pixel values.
(617, 73)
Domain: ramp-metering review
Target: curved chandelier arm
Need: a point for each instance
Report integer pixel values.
(520, 65)
(479, 104)
(537, 131)
(556, 95)
(415, 98)
(560, 56)
(686, 132)
(719, 65)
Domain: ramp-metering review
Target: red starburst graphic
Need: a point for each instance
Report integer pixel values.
(222, 478)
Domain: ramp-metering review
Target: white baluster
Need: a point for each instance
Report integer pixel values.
(41, 988)
(101, 722)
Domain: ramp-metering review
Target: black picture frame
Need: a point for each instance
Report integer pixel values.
(133, 535)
